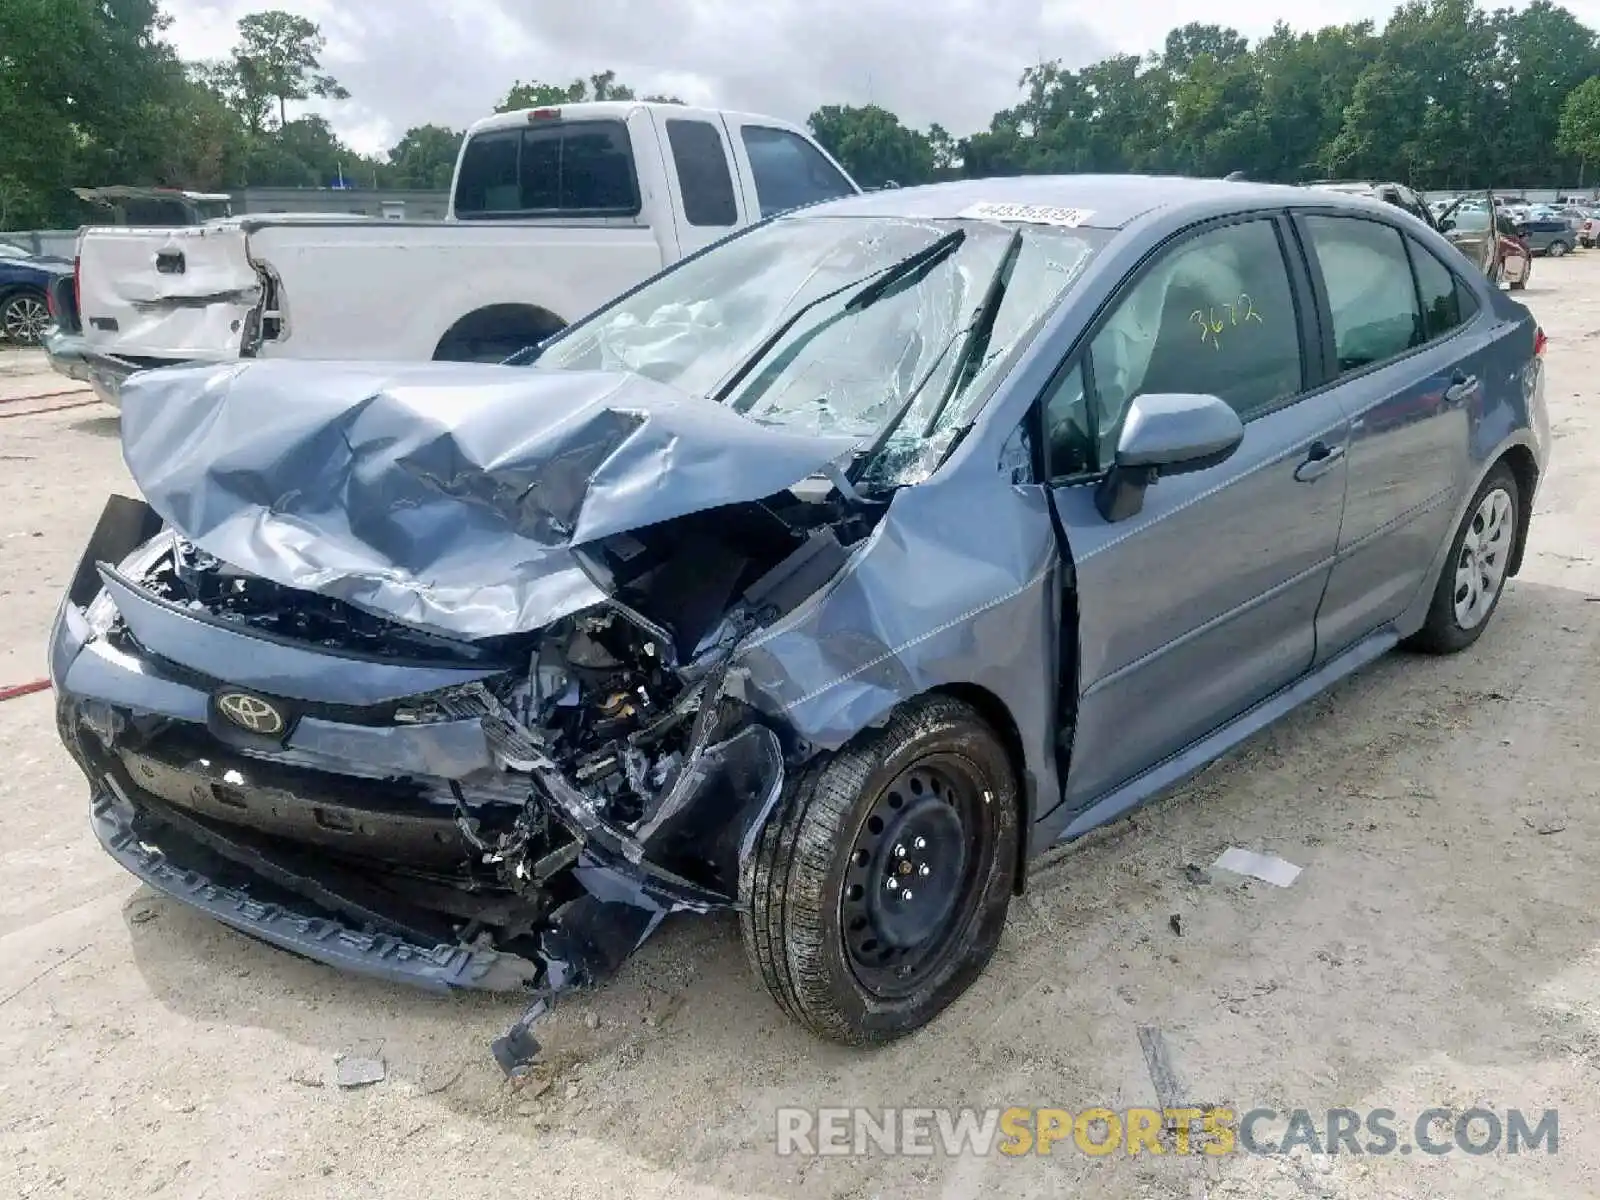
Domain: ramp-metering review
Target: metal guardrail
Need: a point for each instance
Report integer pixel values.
(57, 243)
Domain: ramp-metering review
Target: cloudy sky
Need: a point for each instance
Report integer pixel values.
(409, 62)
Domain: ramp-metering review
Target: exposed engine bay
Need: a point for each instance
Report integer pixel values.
(617, 700)
(613, 749)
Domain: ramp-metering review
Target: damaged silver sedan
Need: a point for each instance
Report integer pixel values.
(826, 576)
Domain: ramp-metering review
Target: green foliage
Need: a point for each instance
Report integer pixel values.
(277, 58)
(603, 86)
(1580, 122)
(873, 146)
(1446, 94)
(425, 158)
(85, 88)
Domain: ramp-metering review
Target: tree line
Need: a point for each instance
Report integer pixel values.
(1446, 94)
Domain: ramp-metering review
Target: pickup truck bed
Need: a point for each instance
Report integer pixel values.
(554, 212)
(238, 281)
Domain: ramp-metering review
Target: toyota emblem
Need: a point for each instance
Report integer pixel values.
(250, 713)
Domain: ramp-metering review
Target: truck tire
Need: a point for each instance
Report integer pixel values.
(879, 885)
(495, 333)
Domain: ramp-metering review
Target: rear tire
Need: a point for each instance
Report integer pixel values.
(1474, 575)
(1557, 248)
(24, 316)
(929, 802)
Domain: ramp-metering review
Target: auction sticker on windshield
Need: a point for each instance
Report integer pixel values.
(1033, 214)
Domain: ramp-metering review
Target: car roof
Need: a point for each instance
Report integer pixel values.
(611, 110)
(1101, 201)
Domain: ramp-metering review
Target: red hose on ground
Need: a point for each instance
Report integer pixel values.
(36, 412)
(77, 391)
(24, 689)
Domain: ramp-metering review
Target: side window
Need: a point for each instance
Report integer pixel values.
(1215, 315)
(1446, 302)
(703, 176)
(1069, 442)
(1370, 291)
(789, 171)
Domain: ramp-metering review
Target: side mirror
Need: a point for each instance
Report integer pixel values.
(1167, 434)
(1447, 224)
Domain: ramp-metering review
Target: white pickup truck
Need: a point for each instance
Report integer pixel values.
(553, 211)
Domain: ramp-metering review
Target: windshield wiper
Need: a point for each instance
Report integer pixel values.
(979, 333)
(976, 333)
(923, 260)
(877, 286)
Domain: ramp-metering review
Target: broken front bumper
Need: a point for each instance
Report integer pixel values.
(215, 828)
(160, 854)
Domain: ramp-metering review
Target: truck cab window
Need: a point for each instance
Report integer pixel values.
(789, 171)
(703, 176)
(581, 168)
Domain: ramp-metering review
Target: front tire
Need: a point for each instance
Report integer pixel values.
(880, 884)
(1474, 574)
(1557, 248)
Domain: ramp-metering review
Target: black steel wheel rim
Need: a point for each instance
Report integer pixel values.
(915, 874)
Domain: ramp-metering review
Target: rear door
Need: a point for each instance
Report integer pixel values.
(706, 201)
(1406, 343)
(1202, 604)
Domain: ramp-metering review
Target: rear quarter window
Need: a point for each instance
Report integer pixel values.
(789, 171)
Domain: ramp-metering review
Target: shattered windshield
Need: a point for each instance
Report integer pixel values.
(720, 323)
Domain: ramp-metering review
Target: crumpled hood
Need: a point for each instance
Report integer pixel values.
(449, 496)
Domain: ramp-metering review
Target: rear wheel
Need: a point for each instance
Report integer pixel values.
(880, 884)
(23, 317)
(1557, 248)
(495, 333)
(1474, 575)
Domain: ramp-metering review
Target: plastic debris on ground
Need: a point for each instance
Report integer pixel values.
(1265, 867)
(359, 1069)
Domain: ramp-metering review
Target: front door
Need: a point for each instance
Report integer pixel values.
(1471, 226)
(1203, 603)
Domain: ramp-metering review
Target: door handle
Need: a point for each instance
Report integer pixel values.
(1320, 459)
(1461, 386)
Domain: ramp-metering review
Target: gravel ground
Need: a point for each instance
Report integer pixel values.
(1439, 949)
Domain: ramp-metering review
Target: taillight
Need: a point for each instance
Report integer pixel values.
(77, 282)
(1539, 342)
